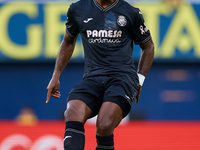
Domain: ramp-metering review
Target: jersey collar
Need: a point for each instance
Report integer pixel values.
(107, 8)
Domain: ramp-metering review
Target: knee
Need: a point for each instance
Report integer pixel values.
(71, 114)
(76, 111)
(104, 128)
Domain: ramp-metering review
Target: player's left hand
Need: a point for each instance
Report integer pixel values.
(138, 95)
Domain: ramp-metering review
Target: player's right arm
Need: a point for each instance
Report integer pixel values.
(64, 54)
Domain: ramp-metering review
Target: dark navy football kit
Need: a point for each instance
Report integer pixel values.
(108, 36)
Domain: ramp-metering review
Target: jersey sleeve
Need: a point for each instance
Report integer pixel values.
(71, 24)
(140, 31)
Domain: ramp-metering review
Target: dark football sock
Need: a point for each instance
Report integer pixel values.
(105, 142)
(74, 136)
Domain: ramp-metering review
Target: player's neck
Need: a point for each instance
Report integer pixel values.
(105, 3)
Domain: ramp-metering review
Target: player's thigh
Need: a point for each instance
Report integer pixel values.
(109, 116)
(77, 110)
(88, 91)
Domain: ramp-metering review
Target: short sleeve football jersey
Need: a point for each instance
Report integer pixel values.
(107, 35)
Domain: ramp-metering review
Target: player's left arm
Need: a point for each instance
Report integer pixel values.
(146, 58)
(145, 62)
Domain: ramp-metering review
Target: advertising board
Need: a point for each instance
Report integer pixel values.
(48, 135)
(33, 30)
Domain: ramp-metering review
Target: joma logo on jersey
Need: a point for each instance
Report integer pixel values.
(104, 33)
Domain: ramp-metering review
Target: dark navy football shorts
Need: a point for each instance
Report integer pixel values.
(94, 91)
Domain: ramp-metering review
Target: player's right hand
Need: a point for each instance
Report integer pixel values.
(53, 89)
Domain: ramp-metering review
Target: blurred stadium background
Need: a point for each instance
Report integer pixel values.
(168, 114)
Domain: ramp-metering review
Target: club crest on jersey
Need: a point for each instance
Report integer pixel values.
(121, 21)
